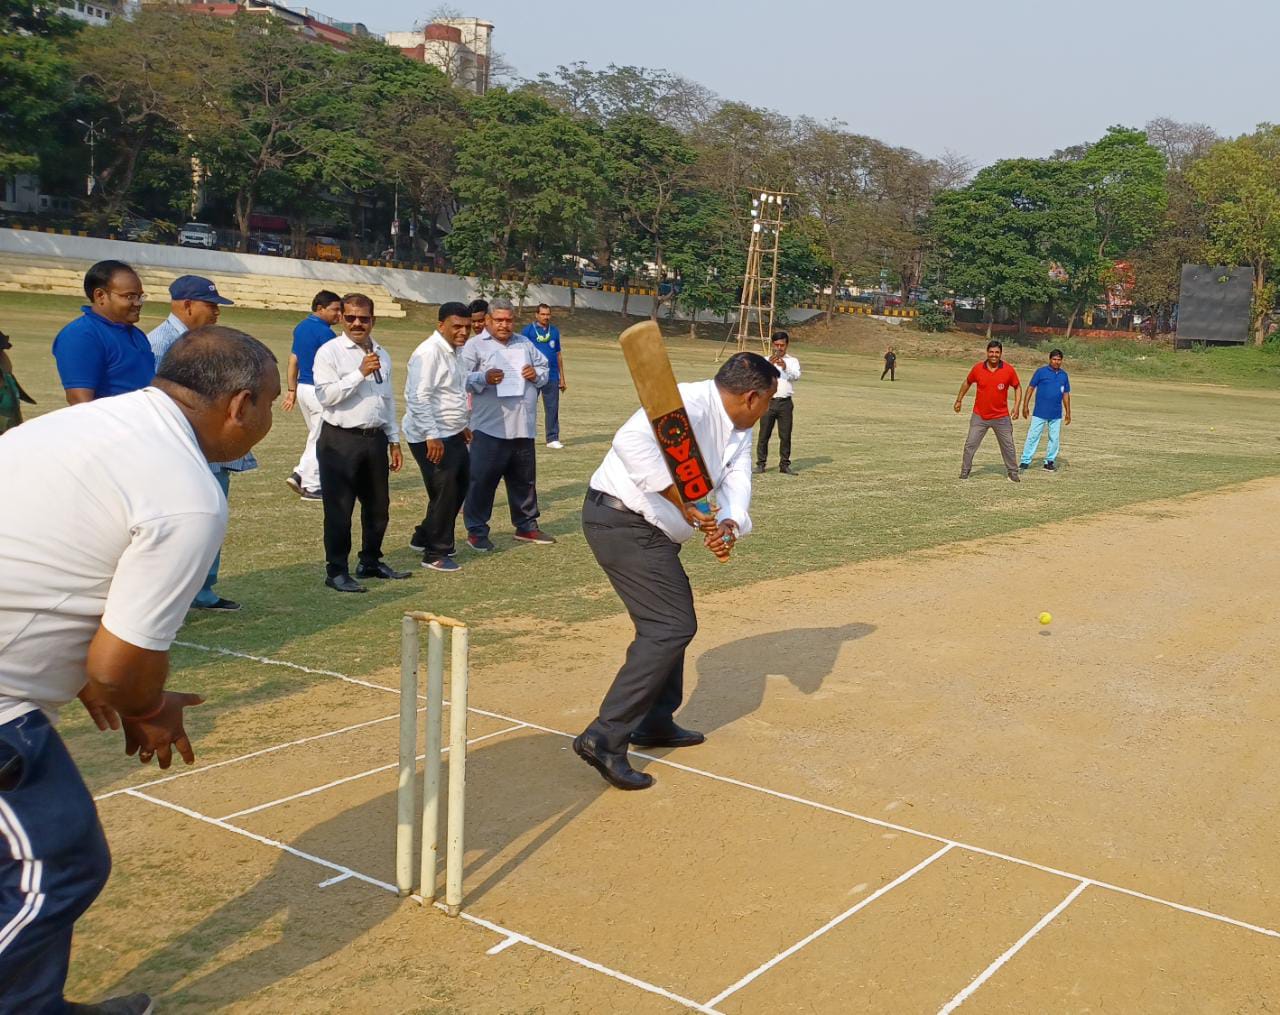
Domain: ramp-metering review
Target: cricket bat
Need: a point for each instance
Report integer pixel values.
(655, 382)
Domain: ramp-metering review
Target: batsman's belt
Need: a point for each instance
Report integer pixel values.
(607, 500)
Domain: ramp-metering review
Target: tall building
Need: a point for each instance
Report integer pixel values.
(93, 12)
(460, 47)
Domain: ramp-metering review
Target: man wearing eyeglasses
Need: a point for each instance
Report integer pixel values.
(104, 352)
(359, 440)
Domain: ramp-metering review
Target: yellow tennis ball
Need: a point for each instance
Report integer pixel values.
(1045, 618)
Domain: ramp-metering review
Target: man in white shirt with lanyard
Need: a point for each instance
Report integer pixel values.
(635, 522)
(780, 409)
(359, 441)
(435, 424)
(101, 551)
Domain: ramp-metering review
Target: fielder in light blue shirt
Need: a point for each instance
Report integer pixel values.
(1052, 389)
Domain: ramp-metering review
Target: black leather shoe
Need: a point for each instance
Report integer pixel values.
(786, 470)
(344, 583)
(614, 767)
(676, 737)
(380, 570)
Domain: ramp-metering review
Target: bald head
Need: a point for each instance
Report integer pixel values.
(224, 381)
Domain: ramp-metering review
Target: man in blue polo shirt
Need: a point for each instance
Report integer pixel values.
(104, 352)
(545, 337)
(312, 332)
(1053, 408)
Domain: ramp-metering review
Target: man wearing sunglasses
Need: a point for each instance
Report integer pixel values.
(359, 440)
(104, 352)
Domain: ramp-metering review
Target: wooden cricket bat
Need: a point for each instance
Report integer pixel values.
(655, 382)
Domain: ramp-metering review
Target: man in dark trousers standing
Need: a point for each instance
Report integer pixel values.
(435, 424)
(781, 409)
(890, 361)
(635, 523)
(359, 440)
(995, 379)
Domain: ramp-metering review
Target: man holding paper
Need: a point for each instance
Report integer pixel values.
(504, 372)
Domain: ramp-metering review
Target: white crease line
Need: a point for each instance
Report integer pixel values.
(352, 778)
(990, 971)
(778, 794)
(883, 889)
(347, 872)
(245, 757)
(217, 823)
(503, 945)
(333, 880)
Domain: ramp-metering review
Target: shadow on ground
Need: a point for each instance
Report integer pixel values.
(732, 678)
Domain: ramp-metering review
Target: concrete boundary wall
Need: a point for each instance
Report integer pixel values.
(403, 283)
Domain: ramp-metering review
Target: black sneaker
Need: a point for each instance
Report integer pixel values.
(481, 544)
(219, 605)
(760, 467)
(534, 536)
(1023, 466)
(294, 483)
(311, 495)
(416, 548)
(1050, 467)
(131, 1004)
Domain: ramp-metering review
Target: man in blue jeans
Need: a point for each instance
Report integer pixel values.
(90, 602)
(545, 337)
(1053, 409)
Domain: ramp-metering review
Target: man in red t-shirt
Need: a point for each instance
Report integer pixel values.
(995, 379)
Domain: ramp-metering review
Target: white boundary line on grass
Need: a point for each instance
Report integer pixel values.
(990, 971)
(510, 936)
(777, 794)
(830, 924)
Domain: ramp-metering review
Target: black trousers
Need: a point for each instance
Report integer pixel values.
(780, 411)
(888, 369)
(353, 466)
(508, 459)
(446, 484)
(644, 568)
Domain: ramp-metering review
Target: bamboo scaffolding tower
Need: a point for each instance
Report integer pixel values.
(759, 281)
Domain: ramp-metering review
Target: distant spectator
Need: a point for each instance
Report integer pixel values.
(309, 335)
(11, 394)
(504, 370)
(435, 424)
(781, 408)
(104, 352)
(194, 302)
(545, 337)
(890, 362)
(479, 310)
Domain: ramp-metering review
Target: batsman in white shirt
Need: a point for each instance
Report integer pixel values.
(635, 523)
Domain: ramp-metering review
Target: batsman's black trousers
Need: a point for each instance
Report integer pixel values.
(512, 460)
(446, 483)
(780, 411)
(353, 466)
(643, 566)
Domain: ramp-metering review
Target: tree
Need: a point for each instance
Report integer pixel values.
(527, 177)
(603, 95)
(1239, 181)
(35, 81)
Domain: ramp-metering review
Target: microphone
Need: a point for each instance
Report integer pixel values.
(377, 377)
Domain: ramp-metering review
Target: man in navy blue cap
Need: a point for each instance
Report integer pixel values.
(194, 302)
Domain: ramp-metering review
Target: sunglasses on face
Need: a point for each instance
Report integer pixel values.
(357, 318)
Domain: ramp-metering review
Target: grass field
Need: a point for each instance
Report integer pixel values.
(877, 462)
(845, 666)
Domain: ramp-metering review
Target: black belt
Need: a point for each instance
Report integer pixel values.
(358, 431)
(781, 398)
(607, 500)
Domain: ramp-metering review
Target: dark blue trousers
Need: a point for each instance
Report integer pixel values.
(550, 395)
(511, 460)
(53, 863)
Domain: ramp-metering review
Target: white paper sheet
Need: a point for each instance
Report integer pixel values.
(511, 362)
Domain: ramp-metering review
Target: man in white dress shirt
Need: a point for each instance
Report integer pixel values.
(359, 440)
(101, 549)
(780, 409)
(635, 522)
(435, 425)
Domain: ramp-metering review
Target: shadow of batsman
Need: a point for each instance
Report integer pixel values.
(655, 381)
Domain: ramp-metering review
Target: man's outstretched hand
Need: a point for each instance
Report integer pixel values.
(157, 735)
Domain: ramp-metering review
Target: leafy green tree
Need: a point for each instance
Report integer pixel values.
(35, 82)
(603, 95)
(527, 177)
(1239, 182)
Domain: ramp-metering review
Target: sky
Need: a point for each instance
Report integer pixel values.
(987, 79)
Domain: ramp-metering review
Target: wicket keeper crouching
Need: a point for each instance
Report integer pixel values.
(635, 523)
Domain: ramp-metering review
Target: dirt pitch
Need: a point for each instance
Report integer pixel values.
(913, 797)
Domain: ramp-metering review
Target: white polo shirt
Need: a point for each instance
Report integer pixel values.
(109, 512)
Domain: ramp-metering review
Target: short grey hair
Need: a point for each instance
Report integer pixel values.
(215, 362)
(502, 303)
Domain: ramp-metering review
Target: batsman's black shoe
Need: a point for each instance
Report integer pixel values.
(380, 570)
(614, 767)
(786, 470)
(677, 736)
(344, 583)
(131, 1004)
